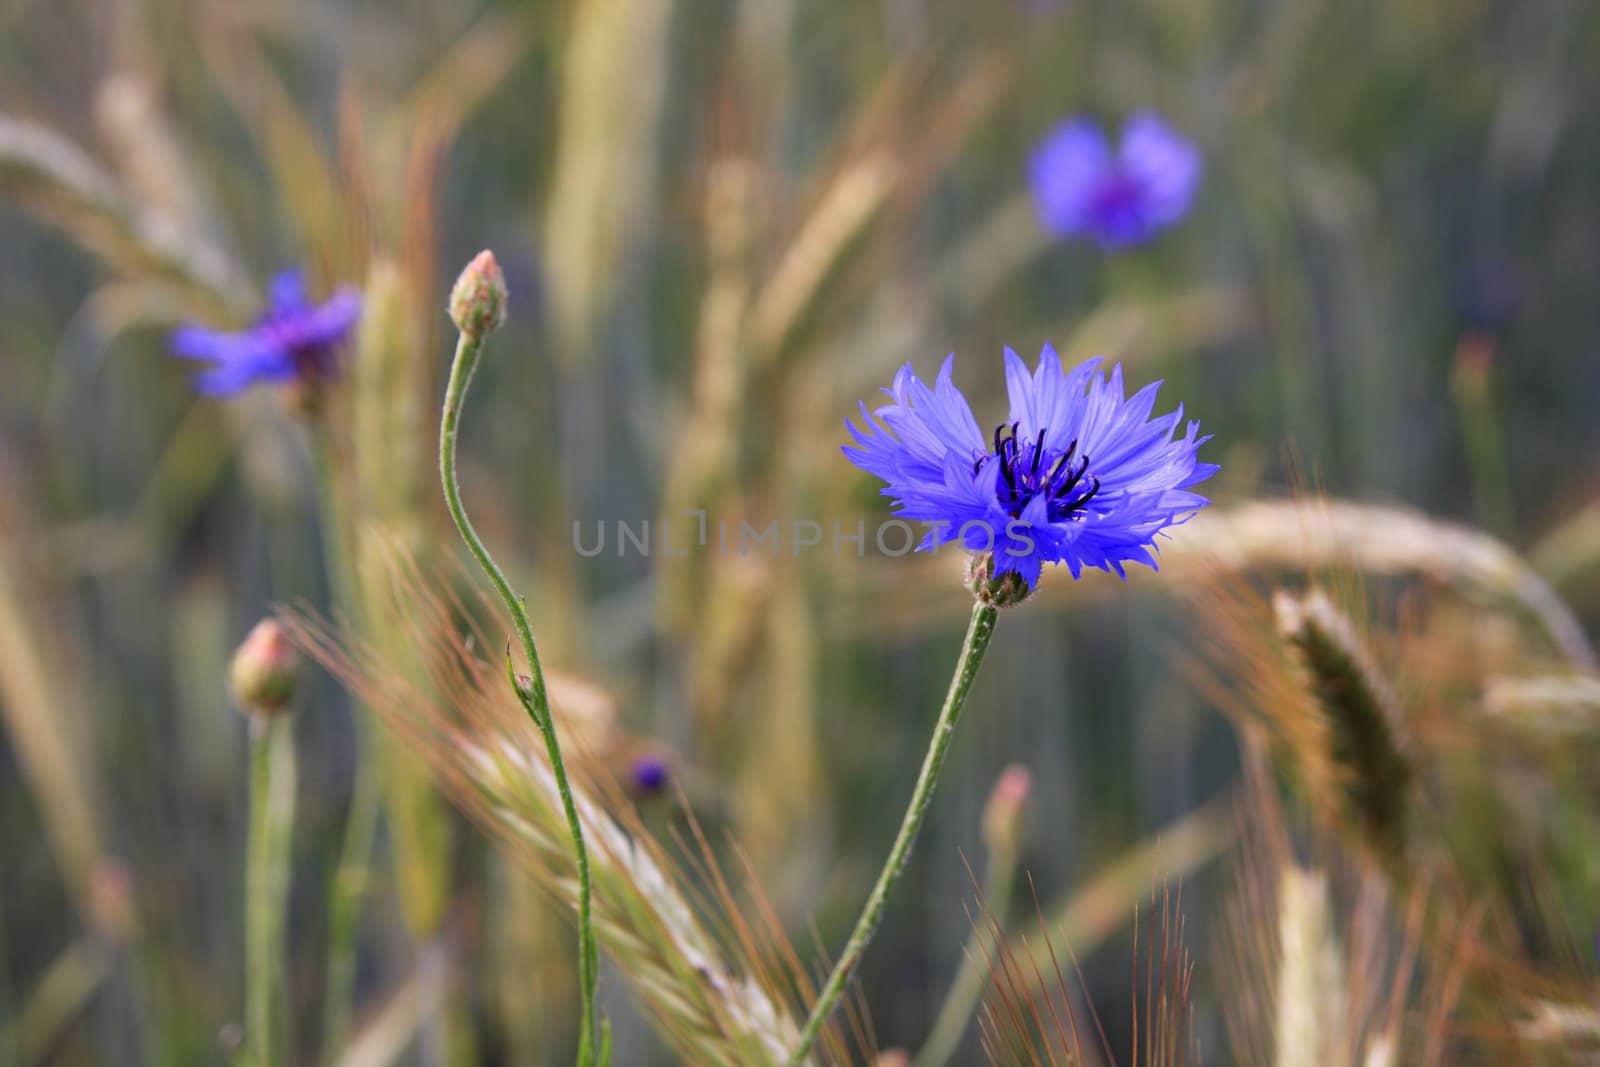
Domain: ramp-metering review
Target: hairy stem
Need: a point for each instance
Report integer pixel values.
(532, 694)
(979, 630)
(272, 786)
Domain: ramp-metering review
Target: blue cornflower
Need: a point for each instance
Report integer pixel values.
(1120, 198)
(1077, 474)
(293, 340)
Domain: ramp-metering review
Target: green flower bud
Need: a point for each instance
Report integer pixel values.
(478, 301)
(1005, 814)
(1003, 591)
(265, 670)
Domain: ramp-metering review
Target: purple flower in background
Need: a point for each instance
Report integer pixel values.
(1120, 198)
(293, 340)
(649, 774)
(1077, 474)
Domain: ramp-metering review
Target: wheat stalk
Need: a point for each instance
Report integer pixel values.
(463, 721)
(1268, 535)
(1361, 717)
(1559, 706)
(54, 178)
(1311, 973)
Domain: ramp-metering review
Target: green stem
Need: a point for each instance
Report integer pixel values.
(272, 786)
(533, 696)
(979, 630)
(349, 889)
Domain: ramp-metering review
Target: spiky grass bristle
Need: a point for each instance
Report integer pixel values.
(719, 990)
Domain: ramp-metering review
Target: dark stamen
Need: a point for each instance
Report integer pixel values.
(1070, 507)
(1073, 479)
(1085, 498)
(1066, 457)
(1038, 454)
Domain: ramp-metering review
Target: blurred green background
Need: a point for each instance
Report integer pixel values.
(722, 224)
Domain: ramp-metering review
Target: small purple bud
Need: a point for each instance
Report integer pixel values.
(478, 301)
(649, 774)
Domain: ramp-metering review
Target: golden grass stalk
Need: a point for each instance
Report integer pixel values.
(1570, 550)
(611, 96)
(700, 475)
(1310, 1021)
(848, 204)
(378, 502)
(1360, 718)
(53, 178)
(1554, 707)
(1326, 970)
(147, 152)
(290, 145)
(1380, 540)
(1006, 241)
(394, 495)
(780, 782)
(1268, 536)
(901, 139)
(1567, 1026)
(44, 712)
(61, 995)
(713, 1005)
(392, 1029)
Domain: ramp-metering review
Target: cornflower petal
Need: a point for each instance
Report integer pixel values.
(293, 339)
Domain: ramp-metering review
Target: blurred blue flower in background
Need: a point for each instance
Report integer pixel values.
(649, 774)
(1084, 188)
(293, 340)
(1077, 474)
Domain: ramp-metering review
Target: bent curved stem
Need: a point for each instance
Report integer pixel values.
(979, 629)
(532, 694)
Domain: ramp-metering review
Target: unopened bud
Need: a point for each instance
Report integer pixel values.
(265, 670)
(478, 301)
(1005, 815)
(111, 899)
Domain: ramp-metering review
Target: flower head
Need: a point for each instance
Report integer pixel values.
(293, 340)
(1077, 474)
(265, 670)
(1120, 198)
(478, 299)
(1006, 811)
